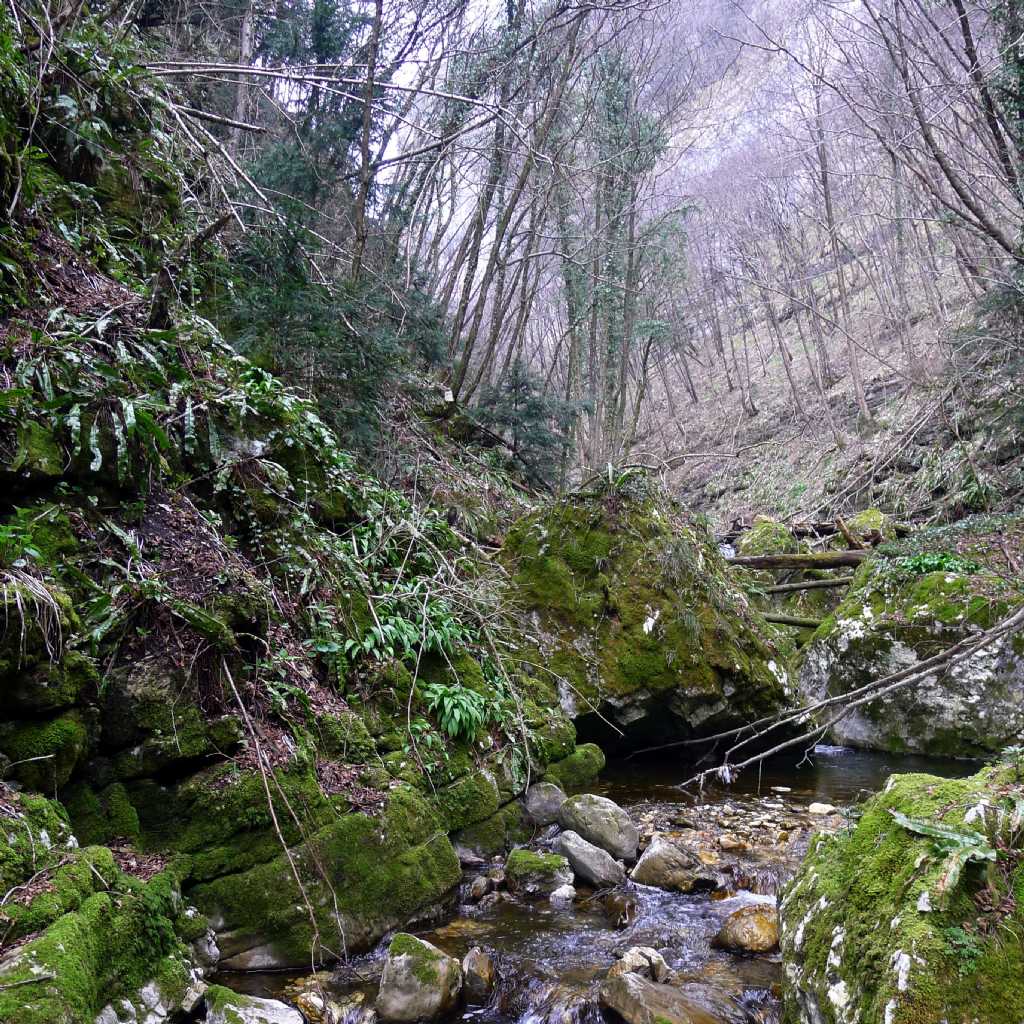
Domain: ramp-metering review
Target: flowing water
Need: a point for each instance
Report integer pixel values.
(550, 960)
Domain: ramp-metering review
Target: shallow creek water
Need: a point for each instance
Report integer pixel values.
(551, 960)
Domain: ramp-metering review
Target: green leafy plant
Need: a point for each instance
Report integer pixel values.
(461, 713)
(965, 949)
(934, 561)
(958, 847)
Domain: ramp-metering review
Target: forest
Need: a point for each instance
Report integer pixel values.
(512, 513)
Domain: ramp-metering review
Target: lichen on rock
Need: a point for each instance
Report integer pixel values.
(899, 611)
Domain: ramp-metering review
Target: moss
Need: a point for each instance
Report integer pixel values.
(111, 945)
(425, 961)
(101, 817)
(83, 873)
(36, 833)
(469, 800)
(345, 736)
(639, 613)
(525, 864)
(767, 537)
(496, 834)
(577, 770)
(38, 454)
(48, 751)
(866, 885)
(364, 874)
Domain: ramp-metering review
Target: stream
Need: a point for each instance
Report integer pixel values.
(550, 960)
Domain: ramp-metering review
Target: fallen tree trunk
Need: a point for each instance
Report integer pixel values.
(789, 588)
(792, 620)
(814, 560)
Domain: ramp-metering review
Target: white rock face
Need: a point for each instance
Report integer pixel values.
(974, 708)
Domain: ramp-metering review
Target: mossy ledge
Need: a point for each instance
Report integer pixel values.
(867, 934)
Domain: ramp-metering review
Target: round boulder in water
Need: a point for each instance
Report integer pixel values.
(536, 874)
(420, 981)
(753, 929)
(602, 822)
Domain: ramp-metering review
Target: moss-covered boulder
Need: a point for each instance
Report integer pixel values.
(108, 938)
(878, 927)
(901, 610)
(641, 623)
(420, 981)
(536, 874)
(43, 754)
(361, 876)
(577, 770)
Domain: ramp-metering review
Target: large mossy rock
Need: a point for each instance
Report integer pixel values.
(639, 618)
(362, 876)
(870, 934)
(904, 608)
(420, 981)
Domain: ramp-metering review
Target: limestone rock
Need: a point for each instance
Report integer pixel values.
(644, 961)
(817, 808)
(753, 929)
(641, 1001)
(543, 802)
(602, 822)
(670, 865)
(226, 1007)
(590, 862)
(897, 614)
(420, 982)
(536, 874)
(857, 940)
(478, 976)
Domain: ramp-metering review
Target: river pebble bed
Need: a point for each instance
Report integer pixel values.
(551, 959)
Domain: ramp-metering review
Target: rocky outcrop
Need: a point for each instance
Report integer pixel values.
(905, 608)
(420, 982)
(914, 914)
(602, 822)
(589, 863)
(640, 619)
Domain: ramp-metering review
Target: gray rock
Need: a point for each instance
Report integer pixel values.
(670, 865)
(478, 976)
(642, 960)
(602, 822)
(420, 982)
(641, 1001)
(543, 802)
(480, 887)
(590, 862)
(224, 1007)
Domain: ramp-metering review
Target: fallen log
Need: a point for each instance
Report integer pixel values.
(789, 588)
(792, 620)
(813, 560)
